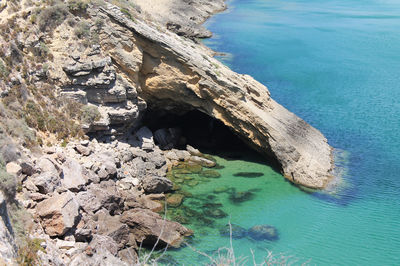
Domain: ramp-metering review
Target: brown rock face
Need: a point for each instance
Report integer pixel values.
(148, 226)
(58, 213)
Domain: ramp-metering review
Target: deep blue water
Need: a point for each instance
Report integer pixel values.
(336, 64)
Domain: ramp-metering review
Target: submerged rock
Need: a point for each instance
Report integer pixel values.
(215, 213)
(237, 231)
(210, 174)
(241, 196)
(263, 232)
(175, 200)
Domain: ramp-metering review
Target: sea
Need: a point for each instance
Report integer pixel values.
(336, 64)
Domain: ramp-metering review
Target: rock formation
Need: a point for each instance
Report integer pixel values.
(175, 74)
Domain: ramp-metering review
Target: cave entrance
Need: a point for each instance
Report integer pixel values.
(204, 133)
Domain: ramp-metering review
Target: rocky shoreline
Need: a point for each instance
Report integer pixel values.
(95, 201)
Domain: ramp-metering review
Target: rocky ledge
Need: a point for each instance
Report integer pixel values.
(177, 75)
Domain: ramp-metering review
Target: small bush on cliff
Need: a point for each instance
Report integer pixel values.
(77, 5)
(3, 70)
(52, 16)
(90, 114)
(82, 30)
(8, 184)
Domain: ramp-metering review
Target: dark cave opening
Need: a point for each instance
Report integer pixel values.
(197, 129)
(204, 133)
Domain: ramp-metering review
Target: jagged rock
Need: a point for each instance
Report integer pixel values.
(156, 158)
(145, 136)
(97, 196)
(47, 182)
(27, 168)
(182, 155)
(83, 150)
(102, 242)
(156, 184)
(72, 177)
(38, 196)
(8, 250)
(111, 226)
(193, 151)
(202, 161)
(148, 226)
(59, 213)
(46, 165)
(129, 256)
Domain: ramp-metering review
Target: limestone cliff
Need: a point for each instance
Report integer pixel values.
(139, 60)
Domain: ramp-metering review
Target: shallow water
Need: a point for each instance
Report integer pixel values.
(336, 65)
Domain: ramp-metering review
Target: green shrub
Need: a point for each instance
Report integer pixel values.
(77, 5)
(52, 16)
(3, 70)
(90, 114)
(82, 30)
(8, 184)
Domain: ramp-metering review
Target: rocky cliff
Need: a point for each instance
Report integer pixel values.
(177, 75)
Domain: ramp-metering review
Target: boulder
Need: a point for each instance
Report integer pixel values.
(156, 184)
(175, 200)
(102, 242)
(263, 232)
(148, 226)
(129, 256)
(145, 136)
(193, 151)
(27, 168)
(111, 226)
(46, 165)
(83, 150)
(47, 182)
(203, 161)
(103, 195)
(72, 175)
(13, 168)
(59, 213)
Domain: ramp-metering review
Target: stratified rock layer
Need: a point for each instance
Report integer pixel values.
(179, 76)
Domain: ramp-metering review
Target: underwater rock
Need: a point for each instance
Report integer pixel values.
(193, 183)
(175, 200)
(248, 174)
(210, 174)
(221, 189)
(188, 168)
(263, 232)
(215, 213)
(241, 196)
(237, 231)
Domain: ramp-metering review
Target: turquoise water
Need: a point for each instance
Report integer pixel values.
(336, 64)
